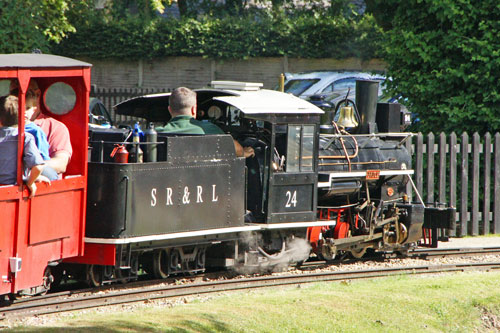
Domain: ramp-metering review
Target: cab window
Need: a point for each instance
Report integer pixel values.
(300, 148)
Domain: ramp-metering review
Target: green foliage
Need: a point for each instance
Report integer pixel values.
(306, 36)
(444, 56)
(29, 24)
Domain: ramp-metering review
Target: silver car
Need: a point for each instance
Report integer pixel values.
(325, 83)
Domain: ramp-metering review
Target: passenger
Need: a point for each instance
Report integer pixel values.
(57, 133)
(182, 108)
(32, 160)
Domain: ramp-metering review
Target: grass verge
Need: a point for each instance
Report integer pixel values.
(463, 302)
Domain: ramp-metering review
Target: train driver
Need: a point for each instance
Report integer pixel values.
(57, 133)
(182, 108)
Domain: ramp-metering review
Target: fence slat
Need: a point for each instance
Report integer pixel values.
(485, 223)
(474, 225)
(496, 200)
(453, 178)
(442, 167)
(464, 148)
(430, 167)
(419, 163)
(409, 188)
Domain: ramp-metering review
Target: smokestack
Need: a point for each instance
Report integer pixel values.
(366, 102)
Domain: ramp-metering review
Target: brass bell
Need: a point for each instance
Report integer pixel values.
(346, 117)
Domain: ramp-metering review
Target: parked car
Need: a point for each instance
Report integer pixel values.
(98, 114)
(325, 83)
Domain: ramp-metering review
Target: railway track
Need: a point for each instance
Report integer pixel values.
(82, 300)
(161, 289)
(453, 252)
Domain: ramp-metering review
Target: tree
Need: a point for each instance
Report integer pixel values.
(28, 24)
(444, 56)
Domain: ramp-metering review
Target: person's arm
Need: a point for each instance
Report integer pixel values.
(243, 151)
(30, 183)
(59, 161)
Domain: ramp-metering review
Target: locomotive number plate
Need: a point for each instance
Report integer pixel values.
(372, 174)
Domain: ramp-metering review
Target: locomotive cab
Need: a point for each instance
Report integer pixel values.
(282, 177)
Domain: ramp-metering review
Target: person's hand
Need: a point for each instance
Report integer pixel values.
(32, 189)
(42, 179)
(248, 152)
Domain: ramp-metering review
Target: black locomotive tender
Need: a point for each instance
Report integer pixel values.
(198, 205)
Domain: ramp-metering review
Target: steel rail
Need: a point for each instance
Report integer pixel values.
(83, 301)
(454, 252)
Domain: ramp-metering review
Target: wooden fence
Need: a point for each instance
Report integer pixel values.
(111, 97)
(460, 171)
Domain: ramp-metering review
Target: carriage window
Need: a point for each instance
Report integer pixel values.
(60, 98)
(4, 87)
(300, 148)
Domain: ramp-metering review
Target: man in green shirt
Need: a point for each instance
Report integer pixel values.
(182, 108)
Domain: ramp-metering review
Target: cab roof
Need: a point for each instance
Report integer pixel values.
(35, 60)
(260, 102)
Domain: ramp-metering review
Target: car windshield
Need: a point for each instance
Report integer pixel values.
(298, 86)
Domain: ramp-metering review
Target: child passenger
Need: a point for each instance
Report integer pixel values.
(32, 160)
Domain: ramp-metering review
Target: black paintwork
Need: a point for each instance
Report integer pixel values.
(121, 201)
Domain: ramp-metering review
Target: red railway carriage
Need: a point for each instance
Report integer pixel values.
(37, 233)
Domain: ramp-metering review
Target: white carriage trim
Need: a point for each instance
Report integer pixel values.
(362, 174)
(250, 227)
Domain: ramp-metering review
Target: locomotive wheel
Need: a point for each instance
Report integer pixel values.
(160, 264)
(358, 253)
(47, 281)
(200, 259)
(94, 275)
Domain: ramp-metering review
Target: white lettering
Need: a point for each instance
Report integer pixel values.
(198, 194)
(291, 199)
(169, 196)
(185, 198)
(214, 196)
(153, 197)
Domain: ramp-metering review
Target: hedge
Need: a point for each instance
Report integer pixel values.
(307, 36)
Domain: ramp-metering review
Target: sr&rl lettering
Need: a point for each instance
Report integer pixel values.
(187, 196)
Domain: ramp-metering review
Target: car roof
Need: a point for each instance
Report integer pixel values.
(331, 74)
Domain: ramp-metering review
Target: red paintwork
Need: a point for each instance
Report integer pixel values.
(50, 226)
(96, 254)
(341, 229)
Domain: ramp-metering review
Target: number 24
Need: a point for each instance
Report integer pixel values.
(291, 199)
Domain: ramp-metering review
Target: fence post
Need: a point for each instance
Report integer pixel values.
(464, 149)
(430, 168)
(442, 168)
(409, 189)
(419, 165)
(474, 225)
(453, 178)
(486, 185)
(496, 199)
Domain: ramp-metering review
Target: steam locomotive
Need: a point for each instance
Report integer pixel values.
(194, 204)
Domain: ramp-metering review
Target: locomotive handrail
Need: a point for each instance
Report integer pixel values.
(127, 179)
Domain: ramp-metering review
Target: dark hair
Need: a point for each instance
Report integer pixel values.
(181, 100)
(8, 110)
